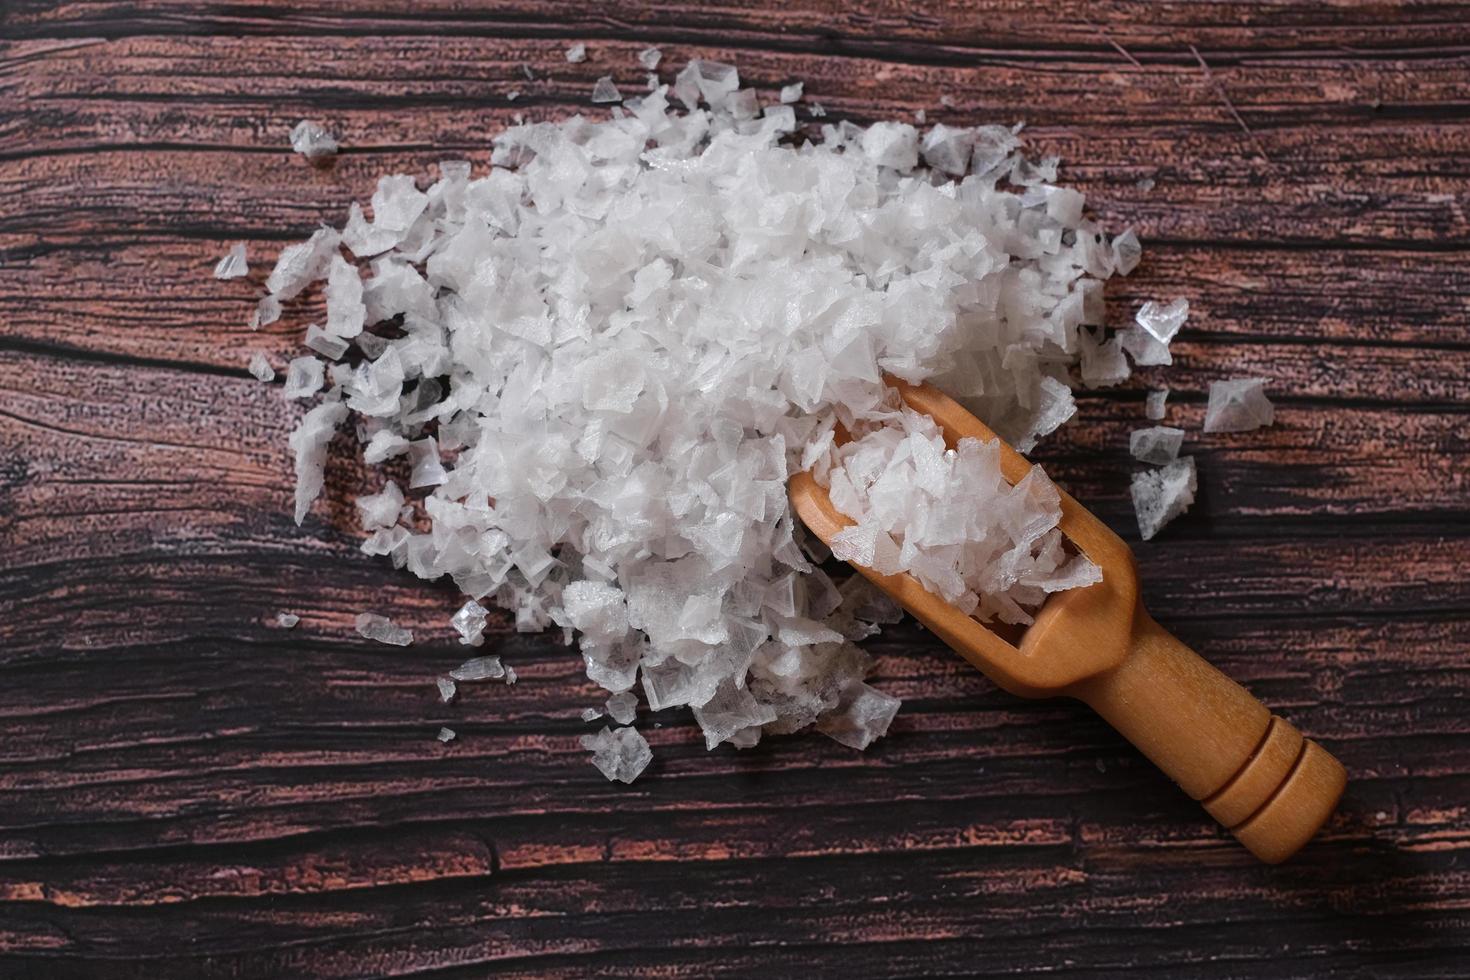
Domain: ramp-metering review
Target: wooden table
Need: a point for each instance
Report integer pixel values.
(187, 790)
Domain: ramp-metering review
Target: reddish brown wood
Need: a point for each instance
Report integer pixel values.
(187, 790)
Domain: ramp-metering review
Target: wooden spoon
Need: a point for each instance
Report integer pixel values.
(1253, 771)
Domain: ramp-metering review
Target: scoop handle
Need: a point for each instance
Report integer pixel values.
(1254, 772)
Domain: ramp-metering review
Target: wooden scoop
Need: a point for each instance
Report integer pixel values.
(1253, 771)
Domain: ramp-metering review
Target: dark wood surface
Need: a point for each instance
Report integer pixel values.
(188, 791)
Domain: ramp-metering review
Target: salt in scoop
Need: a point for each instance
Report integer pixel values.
(1253, 771)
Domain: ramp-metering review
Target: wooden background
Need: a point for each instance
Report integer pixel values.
(188, 791)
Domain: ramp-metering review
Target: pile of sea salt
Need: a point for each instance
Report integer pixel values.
(589, 370)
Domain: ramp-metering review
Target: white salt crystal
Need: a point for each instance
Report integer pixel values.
(817, 110)
(309, 445)
(445, 735)
(323, 343)
(948, 149)
(234, 264)
(606, 91)
(312, 141)
(345, 311)
(1160, 495)
(591, 714)
(261, 368)
(577, 53)
(1239, 405)
(650, 57)
(1126, 252)
(383, 445)
(512, 95)
(469, 623)
(863, 715)
(791, 93)
(1163, 322)
(1154, 403)
(1157, 444)
(479, 669)
(428, 471)
(304, 377)
(728, 711)
(266, 312)
(892, 144)
(621, 755)
(447, 688)
(597, 609)
(1143, 347)
(510, 674)
(287, 620)
(623, 708)
(298, 265)
(380, 509)
(383, 629)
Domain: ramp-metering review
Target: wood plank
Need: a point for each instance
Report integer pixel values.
(827, 27)
(1339, 169)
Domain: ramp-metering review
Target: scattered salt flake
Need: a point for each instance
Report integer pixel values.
(234, 264)
(287, 620)
(510, 674)
(261, 368)
(650, 57)
(447, 688)
(623, 708)
(1160, 495)
(1157, 444)
(312, 141)
(512, 95)
(1153, 406)
(299, 265)
(863, 715)
(817, 110)
(383, 629)
(621, 755)
(445, 735)
(1126, 252)
(266, 312)
(479, 669)
(308, 444)
(606, 91)
(1238, 405)
(791, 93)
(1145, 350)
(591, 714)
(1163, 322)
(577, 53)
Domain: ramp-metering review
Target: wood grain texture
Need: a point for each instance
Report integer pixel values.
(187, 790)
